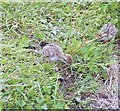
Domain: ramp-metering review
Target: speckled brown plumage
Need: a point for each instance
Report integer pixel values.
(107, 33)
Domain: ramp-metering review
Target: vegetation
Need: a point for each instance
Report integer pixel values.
(26, 80)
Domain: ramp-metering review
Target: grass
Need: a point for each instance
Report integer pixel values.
(27, 82)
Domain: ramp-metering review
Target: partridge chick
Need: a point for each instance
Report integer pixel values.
(107, 33)
(54, 53)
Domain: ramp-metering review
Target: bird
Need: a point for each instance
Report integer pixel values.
(107, 33)
(54, 53)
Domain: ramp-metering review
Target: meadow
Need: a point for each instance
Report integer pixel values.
(28, 82)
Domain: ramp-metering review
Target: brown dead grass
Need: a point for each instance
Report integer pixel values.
(107, 97)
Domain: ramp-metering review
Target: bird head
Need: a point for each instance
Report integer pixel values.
(68, 58)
